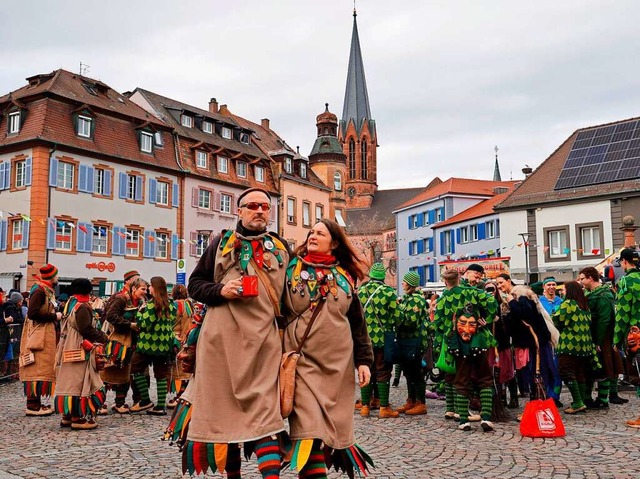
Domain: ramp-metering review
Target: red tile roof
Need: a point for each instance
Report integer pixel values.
(538, 188)
(484, 208)
(463, 186)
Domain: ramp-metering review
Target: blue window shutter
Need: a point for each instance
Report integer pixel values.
(123, 240)
(420, 245)
(122, 193)
(28, 166)
(146, 244)
(116, 246)
(453, 244)
(175, 198)
(80, 237)
(432, 271)
(3, 186)
(90, 179)
(154, 244)
(51, 233)
(107, 182)
(442, 242)
(432, 216)
(174, 246)
(481, 231)
(139, 188)
(419, 218)
(25, 234)
(431, 244)
(153, 184)
(53, 172)
(88, 240)
(442, 213)
(7, 175)
(82, 179)
(3, 235)
(410, 222)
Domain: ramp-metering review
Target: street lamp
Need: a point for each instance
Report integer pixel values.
(525, 237)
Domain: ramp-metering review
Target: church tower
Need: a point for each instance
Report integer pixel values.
(329, 163)
(357, 132)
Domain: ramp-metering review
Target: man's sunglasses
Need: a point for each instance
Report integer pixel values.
(253, 206)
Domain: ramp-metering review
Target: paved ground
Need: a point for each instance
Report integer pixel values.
(598, 445)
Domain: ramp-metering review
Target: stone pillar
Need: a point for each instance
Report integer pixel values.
(629, 228)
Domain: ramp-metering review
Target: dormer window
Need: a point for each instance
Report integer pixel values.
(226, 133)
(146, 142)
(90, 89)
(259, 173)
(303, 170)
(223, 164)
(245, 138)
(207, 127)
(13, 125)
(157, 139)
(85, 126)
(287, 165)
(241, 168)
(186, 120)
(201, 159)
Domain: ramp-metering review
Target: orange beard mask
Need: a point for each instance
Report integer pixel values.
(633, 339)
(467, 327)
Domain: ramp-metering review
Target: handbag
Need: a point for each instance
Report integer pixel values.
(446, 362)
(35, 336)
(288, 363)
(541, 419)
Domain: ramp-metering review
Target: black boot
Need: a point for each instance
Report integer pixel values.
(615, 399)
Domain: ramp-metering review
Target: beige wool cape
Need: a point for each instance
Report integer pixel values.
(234, 391)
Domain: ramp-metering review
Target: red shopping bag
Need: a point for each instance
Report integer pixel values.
(541, 419)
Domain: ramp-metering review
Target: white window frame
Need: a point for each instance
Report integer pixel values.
(490, 228)
(146, 142)
(473, 232)
(202, 242)
(98, 183)
(207, 127)
(303, 170)
(225, 203)
(448, 242)
(64, 230)
(186, 121)
(291, 210)
(561, 247)
(162, 193)
(594, 235)
(21, 173)
(100, 240)
(204, 199)
(464, 234)
(288, 168)
(17, 231)
(241, 169)
(13, 123)
(438, 215)
(319, 212)
(66, 173)
(132, 236)
(414, 221)
(162, 247)
(223, 164)
(337, 181)
(425, 218)
(306, 214)
(259, 173)
(225, 132)
(84, 126)
(201, 159)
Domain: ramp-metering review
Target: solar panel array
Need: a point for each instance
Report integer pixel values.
(603, 155)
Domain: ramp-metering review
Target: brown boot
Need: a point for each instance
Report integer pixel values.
(375, 403)
(358, 404)
(408, 405)
(419, 409)
(364, 410)
(387, 412)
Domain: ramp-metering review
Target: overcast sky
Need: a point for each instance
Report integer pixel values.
(448, 80)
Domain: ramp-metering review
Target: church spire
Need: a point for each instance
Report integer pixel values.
(496, 168)
(356, 99)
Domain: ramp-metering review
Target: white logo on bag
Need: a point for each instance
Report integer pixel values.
(546, 420)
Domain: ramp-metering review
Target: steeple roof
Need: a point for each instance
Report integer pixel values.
(356, 99)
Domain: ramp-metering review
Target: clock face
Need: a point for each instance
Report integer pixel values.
(351, 191)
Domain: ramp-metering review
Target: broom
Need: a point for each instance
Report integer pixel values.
(498, 412)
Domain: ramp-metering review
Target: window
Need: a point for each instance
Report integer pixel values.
(201, 159)
(352, 159)
(439, 214)
(21, 174)
(306, 214)
(84, 126)
(64, 238)
(414, 221)
(448, 243)
(132, 187)
(259, 173)
(464, 234)
(133, 237)
(245, 138)
(292, 245)
(17, 230)
(590, 238)
(490, 228)
(497, 228)
(204, 199)
(337, 181)
(363, 159)
(241, 167)
(425, 218)
(223, 164)
(412, 248)
(186, 120)
(162, 193)
(291, 210)
(207, 127)
(65, 175)
(226, 133)
(13, 125)
(146, 142)
(202, 241)
(556, 243)
(100, 239)
(319, 212)
(102, 181)
(287, 165)
(225, 203)
(162, 245)
(303, 170)
(473, 232)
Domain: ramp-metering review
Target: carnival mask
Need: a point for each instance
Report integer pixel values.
(467, 327)
(633, 339)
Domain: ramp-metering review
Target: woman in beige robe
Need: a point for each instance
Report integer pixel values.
(321, 277)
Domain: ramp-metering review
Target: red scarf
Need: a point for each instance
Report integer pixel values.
(320, 258)
(82, 298)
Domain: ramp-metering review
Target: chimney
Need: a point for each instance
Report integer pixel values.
(213, 106)
(223, 110)
(265, 123)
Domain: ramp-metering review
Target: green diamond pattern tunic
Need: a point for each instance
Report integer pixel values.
(156, 333)
(574, 325)
(380, 303)
(627, 306)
